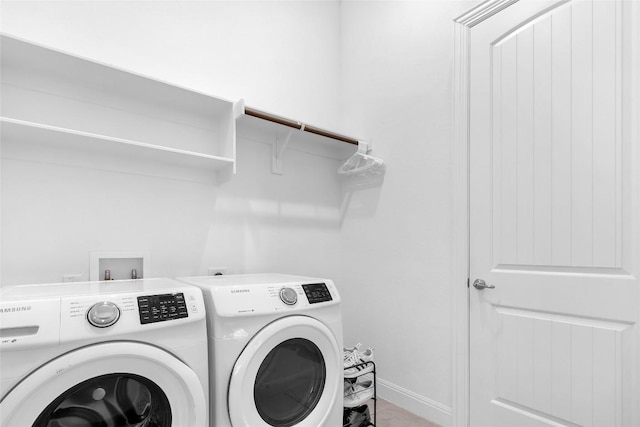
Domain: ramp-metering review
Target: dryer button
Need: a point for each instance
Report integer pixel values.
(288, 296)
(103, 314)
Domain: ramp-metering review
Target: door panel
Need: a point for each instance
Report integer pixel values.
(554, 215)
(550, 79)
(564, 366)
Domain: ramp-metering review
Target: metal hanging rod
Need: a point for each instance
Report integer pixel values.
(299, 126)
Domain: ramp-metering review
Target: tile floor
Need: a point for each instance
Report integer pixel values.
(390, 415)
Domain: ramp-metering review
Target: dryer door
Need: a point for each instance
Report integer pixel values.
(290, 374)
(112, 384)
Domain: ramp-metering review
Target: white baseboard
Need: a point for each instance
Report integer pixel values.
(413, 402)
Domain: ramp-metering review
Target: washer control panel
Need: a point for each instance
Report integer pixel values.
(317, 292)
(35, 316)
(159, 308)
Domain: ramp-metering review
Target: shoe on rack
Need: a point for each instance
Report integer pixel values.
(357, 370)
(352, 349)
(354, 361)
(356, 417)
(350, 355)
(359, 393)
(350, 359)
(367, 355)
(362, 356)
(348, 385)
(345, 416)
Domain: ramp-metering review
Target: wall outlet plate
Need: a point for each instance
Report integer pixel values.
(217, 271)
(71, 277)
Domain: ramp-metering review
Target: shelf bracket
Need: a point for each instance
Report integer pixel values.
(364, 147)
(277, 165)
(238, 108)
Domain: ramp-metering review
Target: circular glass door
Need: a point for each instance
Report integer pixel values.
(123, 400)
(290, 382)
(119, 384)
(289, 374)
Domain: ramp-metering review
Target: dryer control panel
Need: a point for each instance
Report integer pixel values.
(158, 308)
(317, 292)
(267, 294)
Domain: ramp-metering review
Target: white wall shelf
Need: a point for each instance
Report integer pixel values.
(75, 103)
(67, 103)
(35, 133)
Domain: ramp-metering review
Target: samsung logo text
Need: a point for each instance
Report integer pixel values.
(15, 309)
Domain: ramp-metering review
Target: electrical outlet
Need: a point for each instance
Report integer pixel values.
(75, 277)
(217, 271)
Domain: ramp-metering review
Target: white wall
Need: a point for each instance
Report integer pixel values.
(374, 69)
(56, 212)
(279, 56)
(397, 88)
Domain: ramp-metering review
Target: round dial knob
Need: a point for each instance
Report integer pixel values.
(288, 296)
(103, 314)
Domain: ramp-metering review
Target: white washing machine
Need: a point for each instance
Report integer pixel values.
(118, 353)
(275, 348)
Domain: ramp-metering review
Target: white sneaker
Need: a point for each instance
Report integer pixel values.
(367, 355)
(354, 362)
(362, 356)
(351, 354)
(352, 349)
(350, 359)
(359, 393)
(358, 369)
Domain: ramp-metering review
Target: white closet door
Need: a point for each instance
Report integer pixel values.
(554, 215)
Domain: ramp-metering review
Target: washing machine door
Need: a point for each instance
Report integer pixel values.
(289, 374)
(113, 384)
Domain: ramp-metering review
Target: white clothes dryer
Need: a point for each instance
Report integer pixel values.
(275, 348)
(117, 353)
